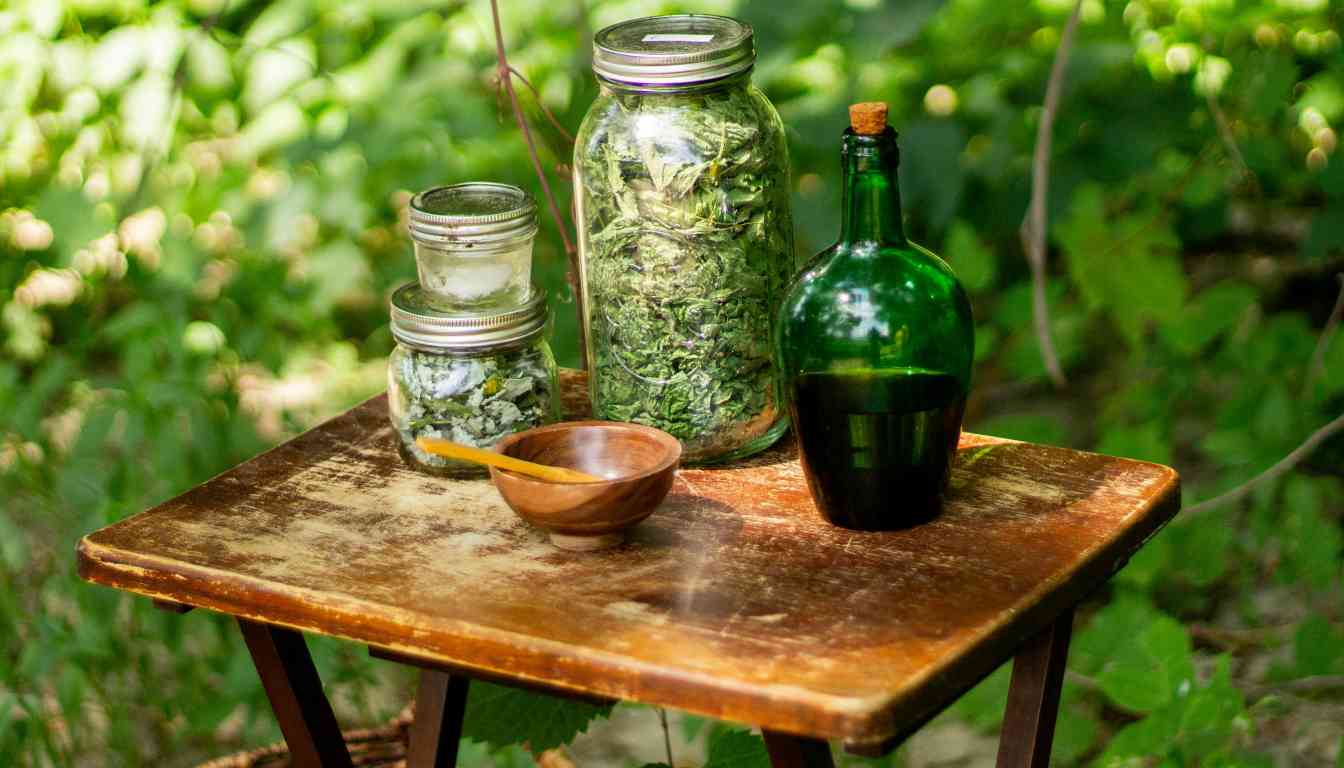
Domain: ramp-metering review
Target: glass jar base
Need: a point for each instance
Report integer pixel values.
(749, 448)
(454, 471)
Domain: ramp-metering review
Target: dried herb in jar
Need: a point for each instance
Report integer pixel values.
(473, 400)
(688, 251)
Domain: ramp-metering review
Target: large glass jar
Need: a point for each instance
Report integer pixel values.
(682, 188)
(469, 377)
(473, 243)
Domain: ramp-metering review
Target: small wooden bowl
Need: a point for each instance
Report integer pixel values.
(639, 461)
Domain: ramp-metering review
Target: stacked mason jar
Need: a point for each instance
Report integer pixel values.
(471, 364)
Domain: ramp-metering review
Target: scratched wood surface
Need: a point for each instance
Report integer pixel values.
(734, 600)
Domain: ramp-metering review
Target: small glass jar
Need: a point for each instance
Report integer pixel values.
(469, 377)
(681, 179)
(473, 243)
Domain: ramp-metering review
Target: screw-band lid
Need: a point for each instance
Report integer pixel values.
(472, 213)
(423, 321)
(675, 50)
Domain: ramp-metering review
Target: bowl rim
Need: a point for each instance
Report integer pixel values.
(667, 440)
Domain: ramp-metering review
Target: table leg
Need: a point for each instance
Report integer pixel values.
(295, 691)
(1033, 697)
(787, 751)
(439, 706)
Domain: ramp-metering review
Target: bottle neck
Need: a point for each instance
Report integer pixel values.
(872, 194)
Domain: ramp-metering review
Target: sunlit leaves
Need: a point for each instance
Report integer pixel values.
(1125, 265)
(973, 262)
(1211, 313)
(501, 716)
(1150, 668)
(736, 748)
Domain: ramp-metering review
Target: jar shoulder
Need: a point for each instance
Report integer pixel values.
(693, 124)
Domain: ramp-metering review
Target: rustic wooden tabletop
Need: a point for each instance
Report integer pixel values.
(735, 600)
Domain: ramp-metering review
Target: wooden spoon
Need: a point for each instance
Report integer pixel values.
(450, 450)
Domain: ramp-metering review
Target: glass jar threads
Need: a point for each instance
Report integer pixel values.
(686, 238)
(470, 377)
(473, 243)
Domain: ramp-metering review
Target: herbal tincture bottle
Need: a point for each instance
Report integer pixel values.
(681, 180)
(473, 243)
(470, 376)
(875, 342)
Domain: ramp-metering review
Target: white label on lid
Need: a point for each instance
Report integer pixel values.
(678, 38)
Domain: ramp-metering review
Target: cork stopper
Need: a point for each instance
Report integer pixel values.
(868, 118)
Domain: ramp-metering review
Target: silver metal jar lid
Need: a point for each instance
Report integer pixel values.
(422, 321)
(473, 213)
(683, 49)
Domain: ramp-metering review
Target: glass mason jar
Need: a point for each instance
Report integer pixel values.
(469, 377)
(473, 243)
(876, 342)
(686, 239)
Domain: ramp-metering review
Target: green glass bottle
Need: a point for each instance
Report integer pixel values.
(874, 343)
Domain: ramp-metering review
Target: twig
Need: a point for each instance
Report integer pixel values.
(1323, 343)
(667, 734)
(1081, 680)
(550, 116)
(1033, 231)
(1281, 467)
(504, 71)
(1313, 684)
(1225, 133)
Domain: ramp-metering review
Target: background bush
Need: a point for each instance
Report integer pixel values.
(202, 221)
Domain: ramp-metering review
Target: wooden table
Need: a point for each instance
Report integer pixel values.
(735, 600)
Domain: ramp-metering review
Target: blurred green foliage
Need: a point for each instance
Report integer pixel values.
(200, 223)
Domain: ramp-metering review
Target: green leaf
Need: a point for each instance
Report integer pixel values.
(1312, 543)
(500, 716)
(1148, 442)
(1149, 563)
(932, 179)
(1114, 626)
(894, 24)
(1076, 728)
(1210, 314)
(691, 725)
(1024, 426)
(1125, 266)
(1317, 648)
(1209, 716)
(1149, 670)
(736, 748)
(972, 261)
(982, 706)
(1149, 737)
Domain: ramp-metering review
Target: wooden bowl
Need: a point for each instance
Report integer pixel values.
(640, 463)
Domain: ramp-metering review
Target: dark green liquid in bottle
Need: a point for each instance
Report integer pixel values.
(877, 446)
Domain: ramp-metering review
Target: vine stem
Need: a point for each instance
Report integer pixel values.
(1323, 343)
(545, 110)
(505, 74)
(1226, 134)
(667, 735)
(1313, 684)
(1033, 229)
(1301, 452)
(1280, 467)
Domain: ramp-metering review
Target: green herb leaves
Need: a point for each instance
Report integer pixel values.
(470, 400)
